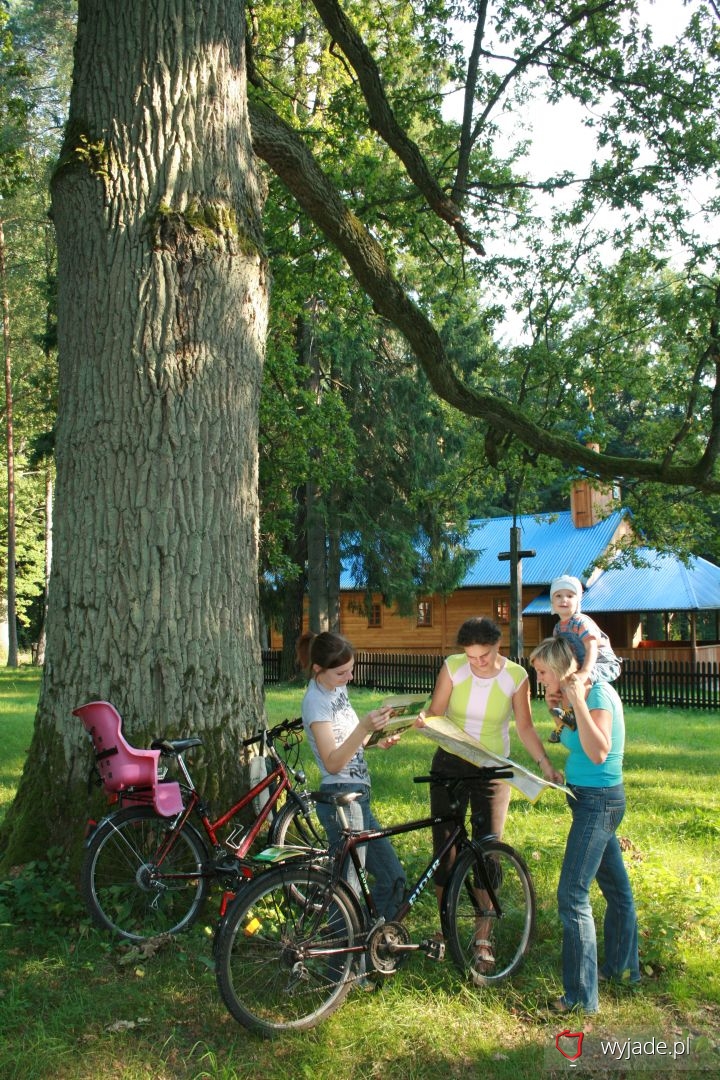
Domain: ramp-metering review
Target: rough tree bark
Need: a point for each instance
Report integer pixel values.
(162, 316)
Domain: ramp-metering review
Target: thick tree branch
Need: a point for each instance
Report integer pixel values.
(466, 142)
(383, 121)
(284, 151)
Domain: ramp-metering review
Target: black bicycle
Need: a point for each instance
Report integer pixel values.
(292, 943)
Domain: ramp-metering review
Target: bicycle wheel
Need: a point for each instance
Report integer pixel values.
(274, 963)
(123, 888)
(469, 915)
(297, 825)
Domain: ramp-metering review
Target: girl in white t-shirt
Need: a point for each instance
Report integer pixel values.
(337, 738)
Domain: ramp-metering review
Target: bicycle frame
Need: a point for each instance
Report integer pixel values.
(276, 783)
(249, 835)
(352, 840)
(279, 777)
(349, 850)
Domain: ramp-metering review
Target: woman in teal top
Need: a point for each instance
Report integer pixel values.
(594, 775)
(480, 691)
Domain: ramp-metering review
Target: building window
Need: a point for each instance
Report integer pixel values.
(375, 615)
(425, 613)
(502, 609)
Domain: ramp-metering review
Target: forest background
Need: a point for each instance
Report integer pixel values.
(449, 327)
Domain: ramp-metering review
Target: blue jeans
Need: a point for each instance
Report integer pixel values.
(378, 857)
(593, 852)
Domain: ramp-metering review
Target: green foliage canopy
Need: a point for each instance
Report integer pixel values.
(636, 96)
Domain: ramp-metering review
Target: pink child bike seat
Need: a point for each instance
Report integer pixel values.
(122, 767)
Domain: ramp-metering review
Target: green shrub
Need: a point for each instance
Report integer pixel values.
(40, 894)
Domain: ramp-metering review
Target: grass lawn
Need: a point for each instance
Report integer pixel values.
(18, 697)
(76, 1006)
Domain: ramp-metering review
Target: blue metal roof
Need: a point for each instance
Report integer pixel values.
(665, 584)
(560, 548)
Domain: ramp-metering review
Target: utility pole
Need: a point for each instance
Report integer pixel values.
(515, 556)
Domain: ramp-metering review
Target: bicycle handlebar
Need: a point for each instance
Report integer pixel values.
(176, 747)
(286, 727)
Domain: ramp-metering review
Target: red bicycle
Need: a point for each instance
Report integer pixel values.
(147, 867)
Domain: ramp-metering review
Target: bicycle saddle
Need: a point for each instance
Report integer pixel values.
(175, 746)
(342, 798)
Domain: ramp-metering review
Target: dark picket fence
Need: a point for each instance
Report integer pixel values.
(271, 665)
(653, 683)
(670, 684)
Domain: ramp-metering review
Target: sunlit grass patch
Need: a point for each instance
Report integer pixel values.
(19, 689)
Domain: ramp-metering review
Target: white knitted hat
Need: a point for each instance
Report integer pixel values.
(572, 584)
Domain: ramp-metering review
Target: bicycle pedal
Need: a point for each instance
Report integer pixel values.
(434, 950)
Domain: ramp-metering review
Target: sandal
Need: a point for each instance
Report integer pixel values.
(484, 958)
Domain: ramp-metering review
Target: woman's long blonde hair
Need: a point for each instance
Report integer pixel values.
(556, 654)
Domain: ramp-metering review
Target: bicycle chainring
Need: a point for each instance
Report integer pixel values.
(382, 945)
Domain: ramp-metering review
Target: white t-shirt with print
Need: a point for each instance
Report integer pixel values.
(321, 706)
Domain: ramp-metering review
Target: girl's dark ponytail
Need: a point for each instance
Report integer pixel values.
(326, 650)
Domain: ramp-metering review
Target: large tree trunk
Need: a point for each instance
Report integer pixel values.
(162, 319)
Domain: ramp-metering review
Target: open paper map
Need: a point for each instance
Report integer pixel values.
(405, 709)
(451, 738)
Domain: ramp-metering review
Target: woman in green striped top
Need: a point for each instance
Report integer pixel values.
(480, 690)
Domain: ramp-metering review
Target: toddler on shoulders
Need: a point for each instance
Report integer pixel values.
(596, 660)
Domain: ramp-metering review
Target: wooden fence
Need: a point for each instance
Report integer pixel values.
(670, 684)
(653, 683)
